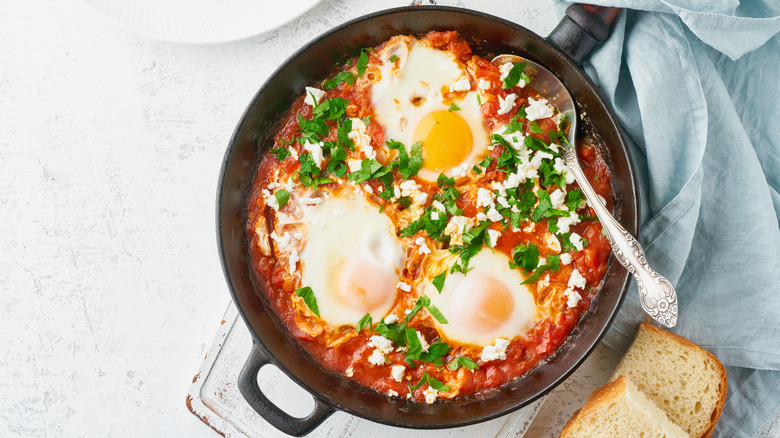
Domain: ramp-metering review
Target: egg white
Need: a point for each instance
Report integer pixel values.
(342, 228)
(413, 87)
(490, 265)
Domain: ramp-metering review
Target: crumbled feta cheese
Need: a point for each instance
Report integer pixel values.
(423, 342)
(506, 104)
(565, 222)
(438, 206)
(282, 242)
(459, 224)
(420, 198)
(404, 286)
(293, 153)
(396, 192)
(577, 280)
(512, 180)
(309, 201)
(499, 187)
(502, 201)
(368, 188)
(409, 188)
(497, 351)
(423, 247)
(565, 258)
(536, 161)
(315, 149)
(270, 199)
(434, 215)
(485, 197)
(530, 227)
(493, 237)
(542, 261)
(359, 135)
(538, 109)
(552, 242)
(381, 343)
(397, 371)
(430, 395)
(392, 393)
(462, 84)
(485, 84)
(494, 215)
(313, 96)
(350, 372)
(293, 259)
(559, 165)
(557, 198)
(577, 241)
(505, 69)
(481, 216)
(354, 165)
(390, 319)
(377, 358)
(573, 297)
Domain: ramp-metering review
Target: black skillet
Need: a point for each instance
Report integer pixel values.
(562, 52)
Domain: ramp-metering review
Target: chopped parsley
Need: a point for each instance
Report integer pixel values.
(362, 63)
(453, 107)
(516, 74)
(393, 58)
(431, 381)
(282, 196)
(463, 361)
(366, 320)
(335, 81)
(438, 281)
(308, 297)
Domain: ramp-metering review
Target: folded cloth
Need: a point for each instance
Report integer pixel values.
(696, 86)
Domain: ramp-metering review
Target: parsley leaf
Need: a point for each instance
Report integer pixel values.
(516, 74)
(438, 281)
(544, 204)
(432, 382)
(393, 58)
(331, 109)
(526, 256)
(437, 313)
(464, 361)
(362, 63)
(435, 352)
(282, 196)
(335, 81)
(308, 297)
(366, 320)
(281, 153)
(553, 264)
(453, 107)
(369, 169)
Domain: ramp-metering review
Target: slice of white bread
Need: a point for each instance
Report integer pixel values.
(686, 381)
(618, 409)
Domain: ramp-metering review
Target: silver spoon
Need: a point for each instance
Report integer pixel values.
(656, 293)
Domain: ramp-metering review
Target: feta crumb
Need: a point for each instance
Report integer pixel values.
(423, 342)
(293, 153)
(396, 192)
(313, 96)
(565, 222)
(530, 227)
(512, 180)
(573, 297)
(536, 161)
(542, 261)
(565, 258)
(404, 286)
(377, 358)
(493, 237)
(309, 201)
(577, 241)
(497, 351)
(397, 371)
(461, 224)
(315, 149)
(505, 69)
(481, 216)
(485, 197)
(494, 215)
(502, 201)
(282, 242)
(499, 187)
(420, 198)
(293, 259)
(392, 393)
(552, 242)
(354, 165)
(359, 135)
(506, 104)
(350, 372)
(485, 84)
(559, 165)
(577, 280)
(544, 282)
(270, 199)
(423, 247)
(462, 84)
(538, 109)
(430, 395)
(438, 205)
(381, 343)
(557, 198)
(390, 319)
(409, 187)
(435, 215)
(368, 188)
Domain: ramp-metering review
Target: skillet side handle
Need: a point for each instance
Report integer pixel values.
(582, 29)
(247, 385)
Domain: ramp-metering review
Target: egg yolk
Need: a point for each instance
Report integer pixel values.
(446, 140)
(364, 284)
(481, 303)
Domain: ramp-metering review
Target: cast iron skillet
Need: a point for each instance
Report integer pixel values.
(272, 344)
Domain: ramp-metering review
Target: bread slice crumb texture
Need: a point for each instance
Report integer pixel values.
(686, 381)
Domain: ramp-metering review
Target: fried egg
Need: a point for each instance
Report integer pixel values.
(486, 304)
(413, 102)
(351, 258)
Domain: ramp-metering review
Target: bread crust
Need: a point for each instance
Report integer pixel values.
(600, 397)
(723, 384)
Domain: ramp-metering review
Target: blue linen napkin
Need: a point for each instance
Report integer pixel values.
(696, 86)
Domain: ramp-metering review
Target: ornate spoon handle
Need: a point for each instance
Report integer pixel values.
(656, 293)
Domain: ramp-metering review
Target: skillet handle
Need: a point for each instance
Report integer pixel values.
(582, 29)
(247, 385)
